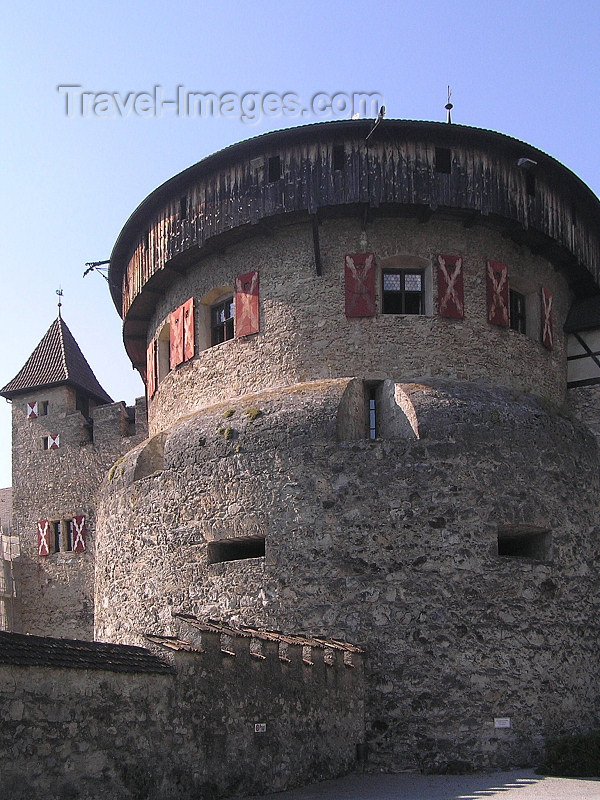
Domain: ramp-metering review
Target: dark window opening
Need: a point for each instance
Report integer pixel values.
(236, 549)
(443, 160)
(530, 183)
(338, 157)
(518, 312)
(525, 542)
(42, 408)
(274, 168)
(146, 240)
(46, 442)
(221, 321)
(82, 403)
(183, 208)
(61, 532)
(402, 292)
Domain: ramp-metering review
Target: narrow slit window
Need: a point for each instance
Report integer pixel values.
(530, 183)
(372, 413)
(236, 549)
(183, 208)
(443, 160)
(518, 311)
(274, 168)
(338, 157)
(43, 408)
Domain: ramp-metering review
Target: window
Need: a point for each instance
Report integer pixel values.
(517, 311)
(61, 535)
(163, 353)
(221, 321)
(402, 291)
(443, 160)
(51, 442)
(274, 168)
(183, 207)
(236, 549)
(338, 157)
(43, 408)
(525, 541)
(530, 183)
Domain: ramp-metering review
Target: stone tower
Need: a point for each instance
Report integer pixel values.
(66, 433)
(357, 354)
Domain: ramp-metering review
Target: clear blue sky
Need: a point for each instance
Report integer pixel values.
(528, 69)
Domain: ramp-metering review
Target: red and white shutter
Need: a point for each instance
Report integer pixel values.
(451, 296)
(547, 324)
(246, 304)
(497, 293)
(79, 533)
(359, 277)
(53, 441)
(188, 329)
(176, 337)
(32, 410)
(43, 532)
(150, 370)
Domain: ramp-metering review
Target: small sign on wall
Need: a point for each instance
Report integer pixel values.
(501, 722)
(260, 727)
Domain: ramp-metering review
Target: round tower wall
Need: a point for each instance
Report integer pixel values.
(305, 335)
(403, 545)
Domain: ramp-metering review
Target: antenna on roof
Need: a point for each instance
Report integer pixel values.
(449, 108)
(380, 116)
(59, 292)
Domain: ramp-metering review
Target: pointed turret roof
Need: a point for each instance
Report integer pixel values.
(57, 360)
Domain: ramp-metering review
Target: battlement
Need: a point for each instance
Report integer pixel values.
(213, 639)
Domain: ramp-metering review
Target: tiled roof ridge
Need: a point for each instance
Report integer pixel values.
(25, 650)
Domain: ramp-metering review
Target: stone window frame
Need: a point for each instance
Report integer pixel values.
(407, 263)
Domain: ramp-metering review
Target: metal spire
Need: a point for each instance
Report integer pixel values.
(59, 292)
(449, 108)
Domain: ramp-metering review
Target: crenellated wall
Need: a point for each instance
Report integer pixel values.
(98, 724)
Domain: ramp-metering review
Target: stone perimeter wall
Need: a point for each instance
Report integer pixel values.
(391, 544)
(304, 334)
(98, 735)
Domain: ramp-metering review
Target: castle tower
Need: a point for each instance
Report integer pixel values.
(356, 369)
(66, 433)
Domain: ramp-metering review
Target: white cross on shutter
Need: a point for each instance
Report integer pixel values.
(32, 410)
(43, 534)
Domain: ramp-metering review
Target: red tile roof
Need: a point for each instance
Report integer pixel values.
(55, 361)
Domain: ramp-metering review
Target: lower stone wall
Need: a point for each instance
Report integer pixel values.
(87, 734)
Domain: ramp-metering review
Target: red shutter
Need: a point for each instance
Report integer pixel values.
(451, 296)
(176, 337)
(43, 532)
(188, 329)
(246, 304)
(32, 410)
(150, 370)
(79, 531)
(359, 274)
(547, 325)
(53, 441)
(497, 293)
